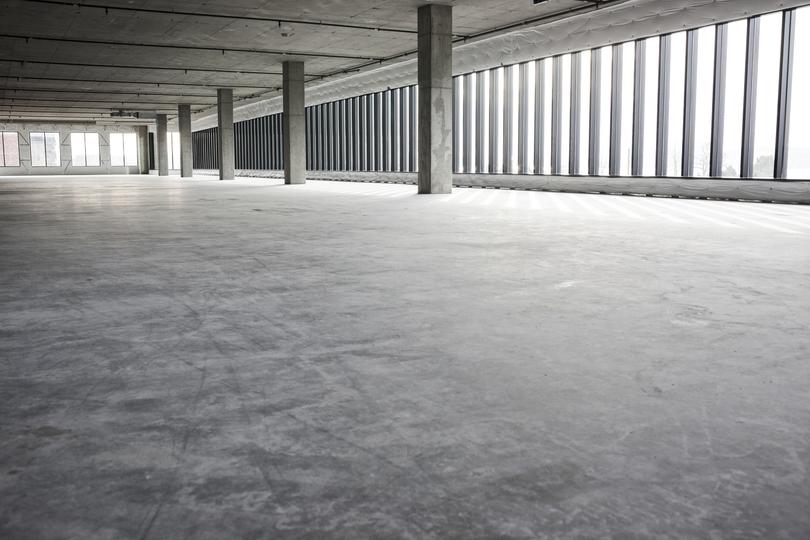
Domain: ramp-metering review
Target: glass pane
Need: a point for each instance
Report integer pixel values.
(548, 83)
(529, 116)
(77, 150)
(37, 149)
(116, 149)
(799, 137)
(734, 94)
(52, 149)
(704, 101)
(565, 113)
(604, 110)
(584, 111)
(512, 86)
(472, 122)
(91, 149)
(770, 37)
(677, 76)
(175, 152)
(628, 92)
(130, 149)
(170, 149)
(11, 149)
(650, 106)
(487, 104)
(500, 159)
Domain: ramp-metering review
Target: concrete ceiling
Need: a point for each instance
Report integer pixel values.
(85, 59)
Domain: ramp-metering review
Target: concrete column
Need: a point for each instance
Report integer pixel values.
(435, 77)
(162, 146)
(294, 124)
(225, 118)
(143, 149)
(186, 152)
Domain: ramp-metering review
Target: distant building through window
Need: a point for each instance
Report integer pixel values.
(9, 149)
(123, 149)
(84, 150)
(45, 150)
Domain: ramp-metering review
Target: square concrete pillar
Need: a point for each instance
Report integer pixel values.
(186, 152)
(294, 123)
(162, 146)
(225, 118)
(143, 149)
(435, 78)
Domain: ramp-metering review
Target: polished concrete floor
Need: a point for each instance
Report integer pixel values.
(205, 359)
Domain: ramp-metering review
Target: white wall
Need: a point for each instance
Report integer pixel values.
(65, 167)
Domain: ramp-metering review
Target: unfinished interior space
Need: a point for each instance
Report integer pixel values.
(473, 269)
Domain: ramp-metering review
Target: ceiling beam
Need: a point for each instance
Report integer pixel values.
(91, 100)
(22, 62)
(208, 48)
(303, 22)
(20, 78)
(106, 92)
(130, 107)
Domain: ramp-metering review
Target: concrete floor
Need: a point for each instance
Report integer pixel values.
(201, 359)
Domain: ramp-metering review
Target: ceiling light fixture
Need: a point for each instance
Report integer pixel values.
(285, 30)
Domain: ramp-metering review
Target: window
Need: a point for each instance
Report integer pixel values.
(548, 82)
(734, 98)
(84, 150)
(9, 149)
(584, 111)
(704, 100)
(770, 37)
(677, 75)
(649, 131)
(606, 79)
(565, 114)
(628, 52)
(174, 149)
(124, 149)
(511, 161)
(799, 141)
(45, 150)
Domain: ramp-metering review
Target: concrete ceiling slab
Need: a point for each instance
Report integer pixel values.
(139, 46)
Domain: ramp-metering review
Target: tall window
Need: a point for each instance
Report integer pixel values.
(649, 131)
(677, 75)
(584, 111)
(628, 52)
(565, 114)
(734, 96)
(548, 82)
(770, 36)
(174, 149)
(606, 79)
(704, 99)
(123, 149)
(45, 150)
(799, 145)
(84, 150)
(9, 149)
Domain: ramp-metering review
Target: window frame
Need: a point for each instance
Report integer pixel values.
(3, 148)
(45, 147)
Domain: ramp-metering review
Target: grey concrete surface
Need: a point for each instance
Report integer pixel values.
(225, 133)
(435, 82)
(186, 148)
(339, 360)
(162, 144)
(294, 124)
